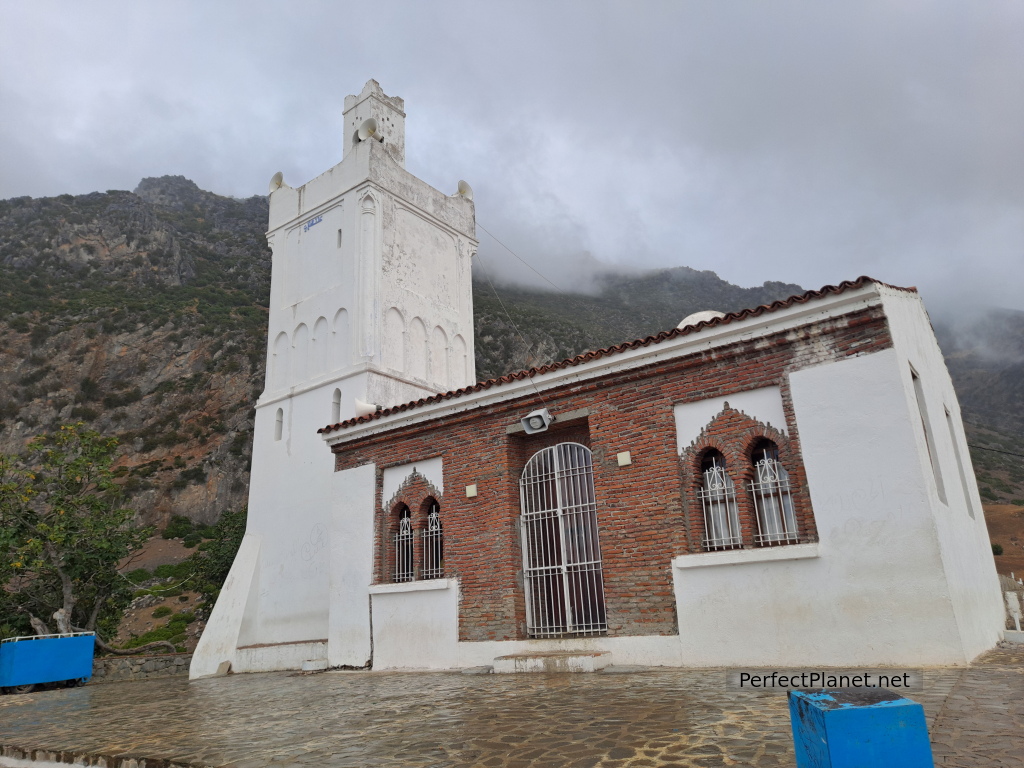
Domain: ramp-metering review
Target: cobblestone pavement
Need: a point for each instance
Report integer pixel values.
(652, 717)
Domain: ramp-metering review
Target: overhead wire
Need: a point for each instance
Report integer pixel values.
(995, 450)
(524, 261)
(501, 304)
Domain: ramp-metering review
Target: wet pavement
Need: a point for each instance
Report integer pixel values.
(650, 717)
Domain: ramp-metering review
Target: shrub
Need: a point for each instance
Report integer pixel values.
(122, 399)
(164, 571)
(39, 334)
(163, 610)
(139, 575)
(90, 389)
(192, 539)
(84, 412)
(193, 475)
(997, 549)
(179, 527)
(180, 570)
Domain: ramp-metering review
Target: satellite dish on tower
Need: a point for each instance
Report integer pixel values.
(369, 130)
(276, 182)
(465, 190)
(364, 408)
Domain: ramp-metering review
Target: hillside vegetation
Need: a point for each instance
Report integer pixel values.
(143, 314)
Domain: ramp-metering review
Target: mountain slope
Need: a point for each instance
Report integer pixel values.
(144, 314)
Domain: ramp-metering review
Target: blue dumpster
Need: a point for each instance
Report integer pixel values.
(858, 727)
(29, 661)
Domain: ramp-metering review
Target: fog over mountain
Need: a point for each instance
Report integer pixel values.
(794, 141)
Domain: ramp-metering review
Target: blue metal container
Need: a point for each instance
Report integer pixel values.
(46, 659)
(858, 727)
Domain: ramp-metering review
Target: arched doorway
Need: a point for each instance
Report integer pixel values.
(561, 551)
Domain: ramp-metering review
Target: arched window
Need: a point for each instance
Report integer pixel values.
(404, 570)
(561, 552)
(717, 496)
(336, 407)
(278, 424)
(433, 544)
(773, 501)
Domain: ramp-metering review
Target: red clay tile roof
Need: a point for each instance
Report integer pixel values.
(596, 354)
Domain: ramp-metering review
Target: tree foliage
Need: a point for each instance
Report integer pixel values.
(63, 532)
(213, 560)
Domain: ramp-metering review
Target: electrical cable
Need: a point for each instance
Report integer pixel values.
(995, 450)
(519, 333)
(542, 277)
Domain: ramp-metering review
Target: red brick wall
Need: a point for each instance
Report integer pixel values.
(646, 511)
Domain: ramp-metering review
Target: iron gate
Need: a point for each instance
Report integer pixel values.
(561, 552)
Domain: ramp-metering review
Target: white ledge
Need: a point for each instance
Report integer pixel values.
(413, 586)
(738, 556)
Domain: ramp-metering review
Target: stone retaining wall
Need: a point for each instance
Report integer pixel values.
(115, 669)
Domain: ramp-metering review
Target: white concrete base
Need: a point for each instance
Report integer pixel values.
(559, 661)
(1012, 636)
(273, 658)
(416, 624)
(646, 650)
(314, 665)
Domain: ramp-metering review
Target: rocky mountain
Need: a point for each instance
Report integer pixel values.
(143, 314)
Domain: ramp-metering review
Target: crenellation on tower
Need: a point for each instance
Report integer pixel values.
(387, 111)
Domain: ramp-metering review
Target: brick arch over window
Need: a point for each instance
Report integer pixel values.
(416, 494)
(737, 436)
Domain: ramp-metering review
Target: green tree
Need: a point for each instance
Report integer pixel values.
(63, 532)
(213, 560)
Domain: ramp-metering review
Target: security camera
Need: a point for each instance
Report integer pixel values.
(536, 421)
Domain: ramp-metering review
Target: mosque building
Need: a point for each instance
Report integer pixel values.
(788, 485)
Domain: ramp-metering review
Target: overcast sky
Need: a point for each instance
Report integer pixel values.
(805, 142)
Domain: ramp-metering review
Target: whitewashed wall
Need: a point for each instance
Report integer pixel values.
(416, 625)
(958, 519)
(874, 589)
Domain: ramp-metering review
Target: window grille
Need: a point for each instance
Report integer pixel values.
(433, 545)
(404, 547)
(718, 499)
(561, 552)
(773, 501)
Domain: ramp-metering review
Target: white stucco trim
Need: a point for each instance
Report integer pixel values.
(738, 556)
(322, 207)
(413, 586)
(708, 338)
(431, 469)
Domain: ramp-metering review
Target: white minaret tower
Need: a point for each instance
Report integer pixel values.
(370, 304)
(371, 290)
